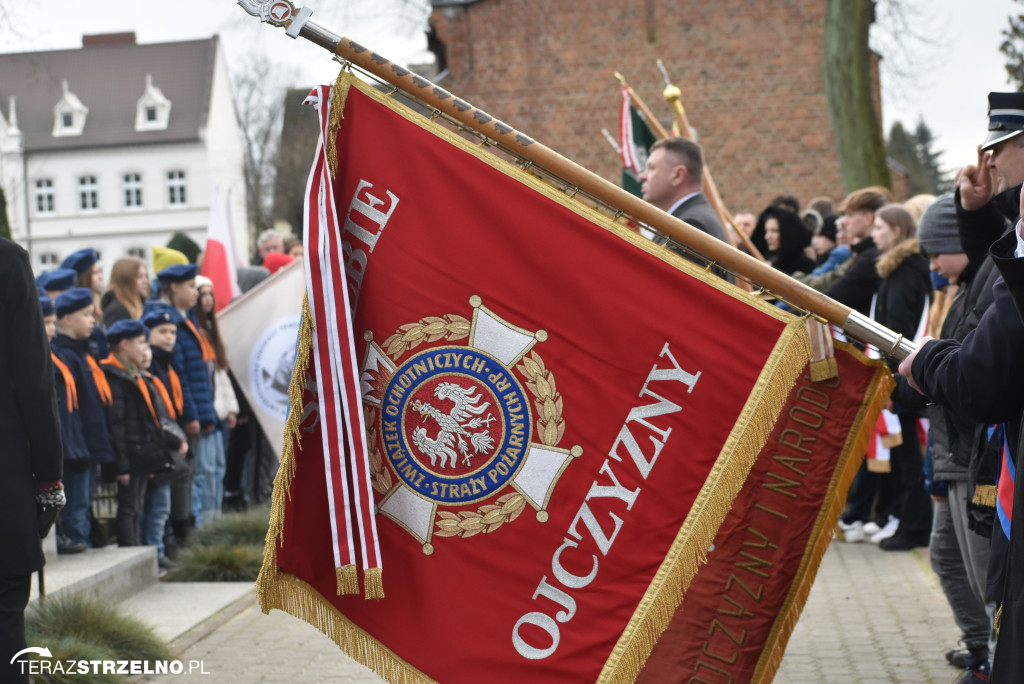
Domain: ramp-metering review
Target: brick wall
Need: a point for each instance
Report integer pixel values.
(750, 73)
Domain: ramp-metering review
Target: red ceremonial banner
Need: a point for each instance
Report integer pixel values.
(559, 414)
(740, 609)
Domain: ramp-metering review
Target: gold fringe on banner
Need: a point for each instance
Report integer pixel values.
(893, 440)
(688, 552)
(861, 433)
(339, 93)
(986, 495)
(373, 584)
(265, 584)
(348, 579)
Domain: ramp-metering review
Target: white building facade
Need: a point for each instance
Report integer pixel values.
(117, 146)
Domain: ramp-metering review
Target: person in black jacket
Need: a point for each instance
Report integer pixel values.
(135, 430)
(32, 454)
(858, 284)
(781, 237)
(982, 377)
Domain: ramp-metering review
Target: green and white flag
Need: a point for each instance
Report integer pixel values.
(637, 139)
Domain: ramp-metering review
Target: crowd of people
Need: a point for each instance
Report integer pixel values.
(146, 398)
(948, 273)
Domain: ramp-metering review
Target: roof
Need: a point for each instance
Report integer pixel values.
(109, 78)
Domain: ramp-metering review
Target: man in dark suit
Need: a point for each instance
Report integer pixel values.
(30, 448)
(673, 181)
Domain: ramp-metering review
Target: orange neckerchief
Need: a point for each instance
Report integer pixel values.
(159, 384)
(69, 382)
(100, 380)
(179, 398)
(204, 344)
(140, 381)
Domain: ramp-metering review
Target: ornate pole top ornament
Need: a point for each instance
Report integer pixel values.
(278, 13)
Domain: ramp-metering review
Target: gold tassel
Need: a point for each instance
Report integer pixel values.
(890, 441)
(997, 622)
(986, 495)
(340, 91)
(265, 582)
(824, 369)
(876, 466)
(373, 585)
(861, 433)
(348, 579)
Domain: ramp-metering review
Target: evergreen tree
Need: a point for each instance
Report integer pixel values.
(930, 159)
(903, 148)
(5, 227)
(1013, 49)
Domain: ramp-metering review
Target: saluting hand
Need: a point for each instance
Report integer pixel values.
(975, 182)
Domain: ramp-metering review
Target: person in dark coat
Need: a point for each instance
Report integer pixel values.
(901, 305)
(673, 181)
(982, 377)
(32, 455)
(162, 322)
(193, 359)
(89, 439)
(135, 430)
(959, 554)
(781, 237)
(858, 284)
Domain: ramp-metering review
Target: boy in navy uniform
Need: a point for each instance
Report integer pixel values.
(88, 442)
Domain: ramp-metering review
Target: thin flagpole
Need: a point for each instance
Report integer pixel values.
(296, 23)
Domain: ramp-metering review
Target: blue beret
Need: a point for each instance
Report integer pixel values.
(81, 260)
(125, 329)
(72, 300)
(178, 273)
(47, 305)
(160, 315)
(57, 279)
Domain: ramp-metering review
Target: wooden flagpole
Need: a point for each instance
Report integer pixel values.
(673, 95)
(296, 23)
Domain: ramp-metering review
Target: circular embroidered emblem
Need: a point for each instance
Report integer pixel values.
(270, 366)
(455, 424)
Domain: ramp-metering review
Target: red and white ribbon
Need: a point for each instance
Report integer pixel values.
(348, 477)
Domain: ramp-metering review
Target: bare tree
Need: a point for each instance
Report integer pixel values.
(257, 91)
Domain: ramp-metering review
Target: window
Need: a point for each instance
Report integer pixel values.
(152, 109)
(132, 190)
(68, 114)
(44, 196)
(88, 195)
(48, 259)
(176, 190)
(67, 120)
(139, 252)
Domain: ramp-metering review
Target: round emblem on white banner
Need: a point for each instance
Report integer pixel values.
(270, 366)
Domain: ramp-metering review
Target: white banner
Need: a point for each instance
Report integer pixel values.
(259, 331)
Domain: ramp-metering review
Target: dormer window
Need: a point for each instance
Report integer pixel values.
(69, 114)
(153, 110)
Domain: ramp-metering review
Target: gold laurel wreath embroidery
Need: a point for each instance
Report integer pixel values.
(550, 426)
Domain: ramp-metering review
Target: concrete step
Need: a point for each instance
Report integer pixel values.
(184, 612)
(107, 575)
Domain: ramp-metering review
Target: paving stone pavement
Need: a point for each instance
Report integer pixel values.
(872, 616)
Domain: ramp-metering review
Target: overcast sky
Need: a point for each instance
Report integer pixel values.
(954, 63)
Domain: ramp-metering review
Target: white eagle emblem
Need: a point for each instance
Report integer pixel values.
(455, 425)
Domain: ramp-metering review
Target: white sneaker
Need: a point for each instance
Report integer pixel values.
(887, 531)
(852, 532)
(871, 528)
